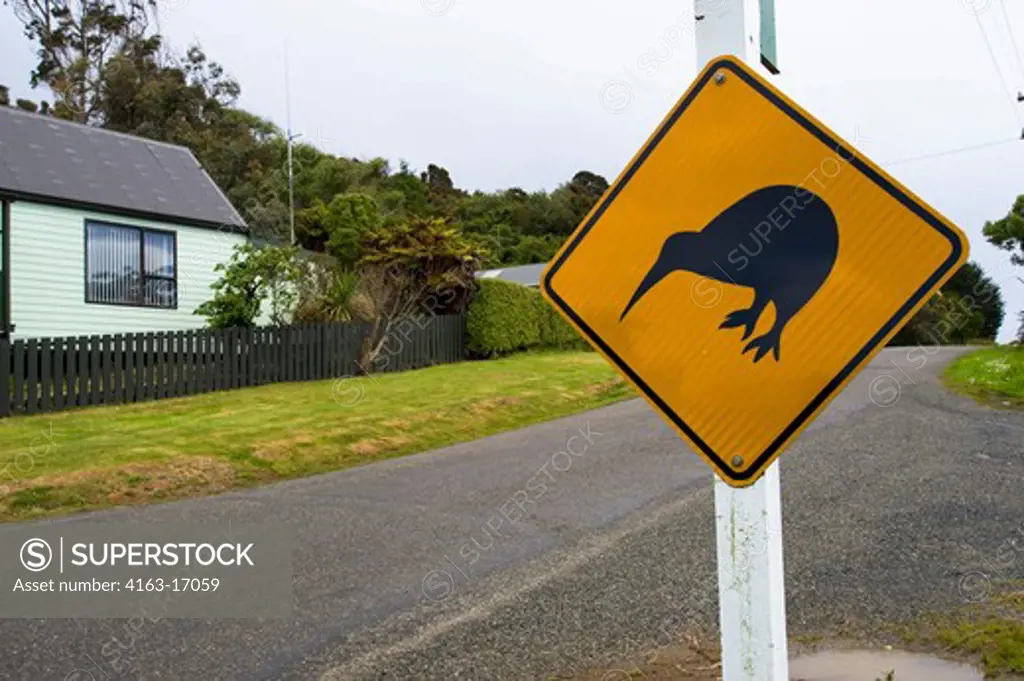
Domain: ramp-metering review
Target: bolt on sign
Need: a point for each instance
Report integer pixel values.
(745, 266)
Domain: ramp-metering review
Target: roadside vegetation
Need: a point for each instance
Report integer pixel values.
(361, 216)
(107, 456)
(141, 84)
(505, 317)
(968, 309)
(993, 375)
(987, 634)
(990, 633)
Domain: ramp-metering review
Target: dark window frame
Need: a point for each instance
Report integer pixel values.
(143, 277)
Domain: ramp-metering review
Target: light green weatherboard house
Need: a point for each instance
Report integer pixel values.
(103, 232)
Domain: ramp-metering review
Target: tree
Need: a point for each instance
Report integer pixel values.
(422, 263)
(1007, 233)
(438, 180)
(981, 293)
(946, 319)
(340, 227)
(107, 67)
(443, 196)
(322, 176)
(535, 249)
(589, 187)
(77, 39)
(253, 277)
(578, 197)
(969, 307)
(406, 194)
(189, 100)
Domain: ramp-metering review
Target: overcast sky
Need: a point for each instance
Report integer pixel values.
(526, 93)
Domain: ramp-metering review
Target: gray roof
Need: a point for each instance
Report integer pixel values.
(54, 161)
(527, 275)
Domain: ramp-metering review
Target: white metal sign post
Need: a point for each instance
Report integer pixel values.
(751, 587)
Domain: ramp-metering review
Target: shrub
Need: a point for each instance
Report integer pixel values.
(555, 332)
(506, 317)
(502, 318)
(252, 277)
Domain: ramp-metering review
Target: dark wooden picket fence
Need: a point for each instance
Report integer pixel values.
(50, 374)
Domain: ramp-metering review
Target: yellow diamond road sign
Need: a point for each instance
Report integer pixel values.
(745, 266)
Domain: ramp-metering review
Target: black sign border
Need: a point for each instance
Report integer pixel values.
(848, 155)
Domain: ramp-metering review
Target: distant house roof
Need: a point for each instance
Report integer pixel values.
(54, 161)
(527, 275)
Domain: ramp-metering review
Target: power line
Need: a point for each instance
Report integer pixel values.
(999, 72)
(1013, 40)
(1006, 89)
(951, 152)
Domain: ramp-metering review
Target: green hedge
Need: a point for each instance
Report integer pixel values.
(554, 331)
(506, 317)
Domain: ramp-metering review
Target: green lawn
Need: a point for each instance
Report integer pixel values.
(994, 375)
(57, 463)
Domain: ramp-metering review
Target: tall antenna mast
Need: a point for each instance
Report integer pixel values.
(288, 124)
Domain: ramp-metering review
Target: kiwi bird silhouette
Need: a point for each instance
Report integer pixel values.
(781, 241)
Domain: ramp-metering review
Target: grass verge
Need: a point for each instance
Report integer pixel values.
(989, 633)
(993, 375)
(92, 458)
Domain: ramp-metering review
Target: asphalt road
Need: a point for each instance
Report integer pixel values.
(508, 558)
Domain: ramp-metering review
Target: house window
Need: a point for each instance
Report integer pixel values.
(130, 266)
